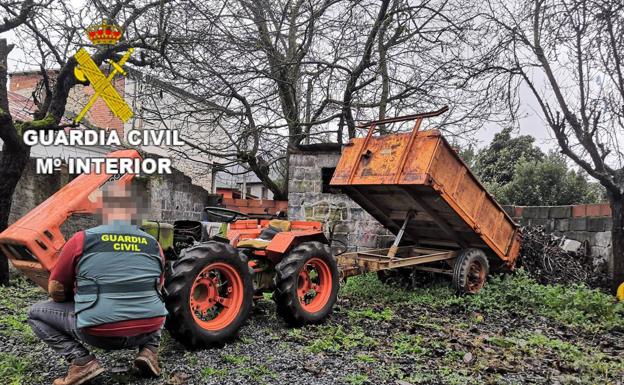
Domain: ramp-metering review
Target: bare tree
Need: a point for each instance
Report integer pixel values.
(275, 74)
(568, 53)
(50, 32)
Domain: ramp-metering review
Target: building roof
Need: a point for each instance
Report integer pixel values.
(24, 108)
(21, 107)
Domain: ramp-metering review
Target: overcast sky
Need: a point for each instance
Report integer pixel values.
(529, 118)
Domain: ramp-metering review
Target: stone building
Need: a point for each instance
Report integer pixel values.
(311, 198)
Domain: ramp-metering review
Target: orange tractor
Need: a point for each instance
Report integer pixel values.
(413, 183)
(212, 277)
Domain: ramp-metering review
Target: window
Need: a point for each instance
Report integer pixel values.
(326, 174)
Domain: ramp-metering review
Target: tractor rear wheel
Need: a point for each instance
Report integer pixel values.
(307, 283)
(209, 294)
(470, 271)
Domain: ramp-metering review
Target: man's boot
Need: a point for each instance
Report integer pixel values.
(147, 362)
(79, 374)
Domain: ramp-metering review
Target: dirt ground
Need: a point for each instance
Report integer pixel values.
(515, 332)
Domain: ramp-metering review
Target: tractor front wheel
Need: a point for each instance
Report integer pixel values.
(209, 295)
(307, 283)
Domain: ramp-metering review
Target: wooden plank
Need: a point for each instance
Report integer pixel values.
(370, 263)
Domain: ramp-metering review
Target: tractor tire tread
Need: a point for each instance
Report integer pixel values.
(286, 278)
(180, 322)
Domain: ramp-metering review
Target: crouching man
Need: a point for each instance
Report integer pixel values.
(105, 291)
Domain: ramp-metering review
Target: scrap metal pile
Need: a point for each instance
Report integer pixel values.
(546, 260)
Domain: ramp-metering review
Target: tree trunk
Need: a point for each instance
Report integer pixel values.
(13, 158)
(12, 164)
(617, 240)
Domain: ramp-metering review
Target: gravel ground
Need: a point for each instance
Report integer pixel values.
(430, 338)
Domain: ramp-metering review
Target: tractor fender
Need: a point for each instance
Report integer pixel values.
(283, 242)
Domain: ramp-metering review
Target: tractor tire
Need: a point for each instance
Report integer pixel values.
(470, 271)
(306, 283)
(209, 295)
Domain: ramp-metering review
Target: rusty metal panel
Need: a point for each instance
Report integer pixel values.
(390, 175)
(418, 159)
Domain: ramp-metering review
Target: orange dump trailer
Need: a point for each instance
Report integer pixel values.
(416, 185)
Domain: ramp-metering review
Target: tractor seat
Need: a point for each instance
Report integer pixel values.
(254, 243)
(280, 225)
(266, 235)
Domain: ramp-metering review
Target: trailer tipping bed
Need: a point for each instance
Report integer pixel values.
(417, 186)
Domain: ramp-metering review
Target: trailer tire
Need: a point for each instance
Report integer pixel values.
(205, 274)
(294, 278)
(470, 271)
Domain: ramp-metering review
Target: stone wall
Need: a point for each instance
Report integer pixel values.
(308, 200)
(171, 196)
(590, 225)
(174, 197)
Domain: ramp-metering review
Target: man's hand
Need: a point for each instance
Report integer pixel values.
(56, 291)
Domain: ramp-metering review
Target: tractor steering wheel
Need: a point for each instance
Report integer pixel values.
(226, 215)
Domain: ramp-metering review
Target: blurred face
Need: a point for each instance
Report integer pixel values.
(122, 203)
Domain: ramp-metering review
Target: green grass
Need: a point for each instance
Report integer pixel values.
(16, 325)
(356, 379)
(409, 345)
(17, 297)
(337, 338)
(384, 315)
(365, 358)
(586, 360)
(13, 369)
(573, 305)
(208, 373)
(258, 373)
(234, 359)
(15, 300)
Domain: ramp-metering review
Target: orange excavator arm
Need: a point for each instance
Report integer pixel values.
(33, 243)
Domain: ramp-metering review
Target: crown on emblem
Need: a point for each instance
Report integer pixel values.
(104, 33)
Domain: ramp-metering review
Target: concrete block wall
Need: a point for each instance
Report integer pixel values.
(344, 218)
(174, 197)
(589, 224)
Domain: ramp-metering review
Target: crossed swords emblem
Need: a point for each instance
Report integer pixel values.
(102, 84)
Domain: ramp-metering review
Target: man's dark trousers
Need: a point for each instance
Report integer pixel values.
(55, 324)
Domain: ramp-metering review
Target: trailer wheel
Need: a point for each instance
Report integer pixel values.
(307, 283)
(209, 295)
(470, 271)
